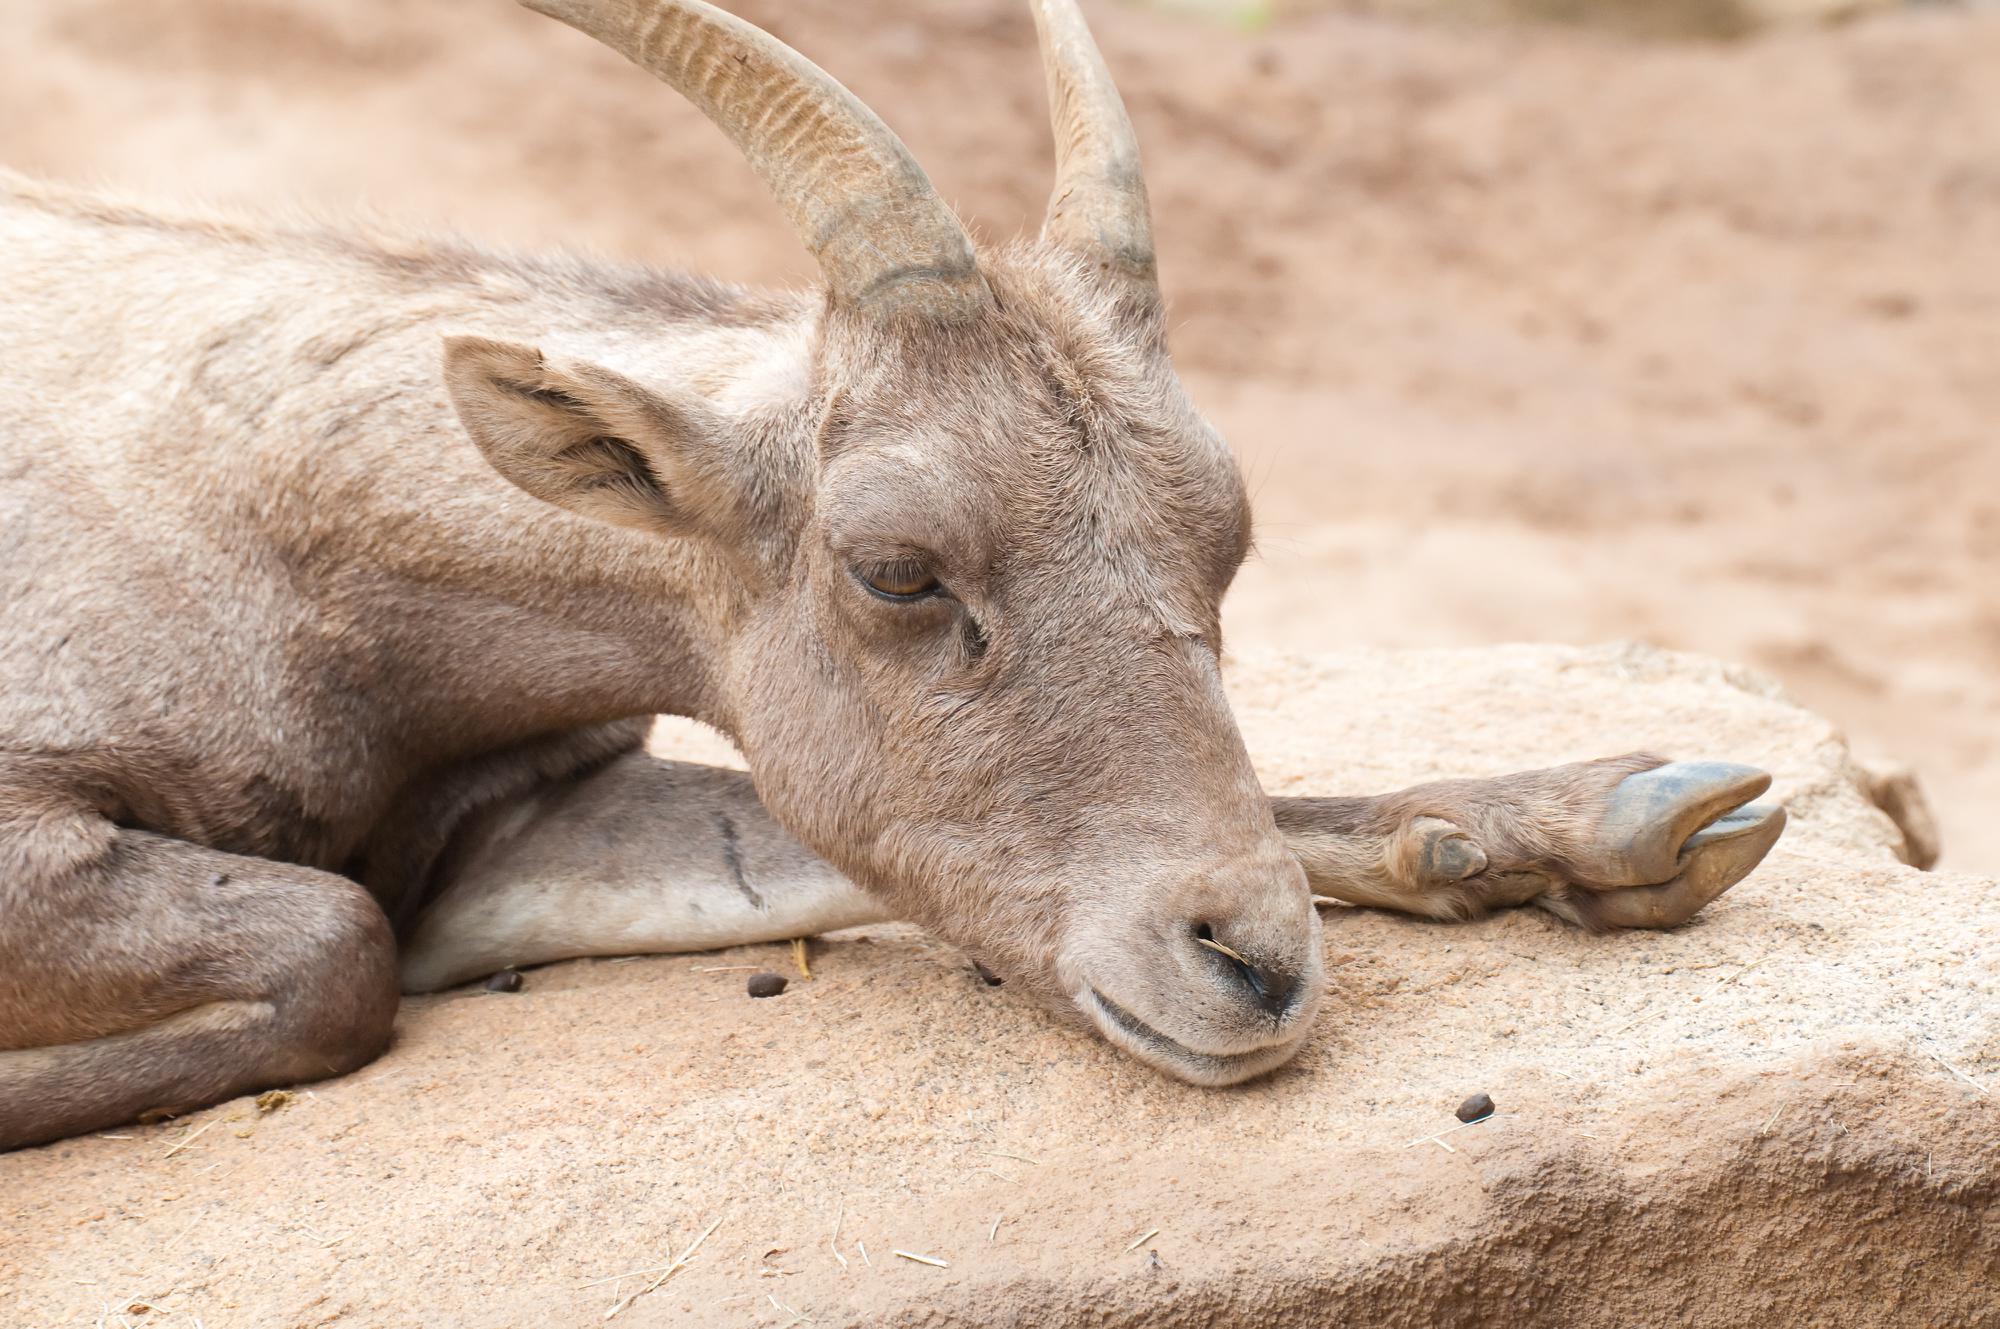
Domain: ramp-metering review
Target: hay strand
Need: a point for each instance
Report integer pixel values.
(1437, 1138)
(1959, 1073)
(678, 1263)
(189, 1139)
(1220, 949)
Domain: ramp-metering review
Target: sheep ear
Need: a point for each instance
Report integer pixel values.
(588, 439)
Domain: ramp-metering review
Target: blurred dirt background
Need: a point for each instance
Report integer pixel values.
(1565, 330)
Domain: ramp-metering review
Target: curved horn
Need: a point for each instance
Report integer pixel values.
(1098, 208)
(882, 236)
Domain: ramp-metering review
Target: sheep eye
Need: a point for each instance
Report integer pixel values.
(902, 580)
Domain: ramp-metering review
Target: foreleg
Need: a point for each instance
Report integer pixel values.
(639, 856)
(1633, 841)
(140, 973)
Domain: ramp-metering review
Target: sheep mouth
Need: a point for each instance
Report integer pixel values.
(1149, 1045)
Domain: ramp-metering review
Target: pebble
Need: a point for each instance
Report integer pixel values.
(506, 980)
(1475, 1107)
(766, 984)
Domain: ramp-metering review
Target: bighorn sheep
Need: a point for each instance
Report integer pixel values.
(315, 661)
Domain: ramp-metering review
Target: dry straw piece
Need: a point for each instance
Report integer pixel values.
(1438, 1139)
(189, 1139)
(1959, 1073)
(678, 1263)
(1220, 949)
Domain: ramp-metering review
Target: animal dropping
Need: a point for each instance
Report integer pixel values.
(1475, 1107)
(380, 555)
(766, 984)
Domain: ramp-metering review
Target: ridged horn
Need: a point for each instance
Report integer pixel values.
(883, 238)
(1098, 208)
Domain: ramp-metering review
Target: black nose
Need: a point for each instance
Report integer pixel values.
(1268, 987)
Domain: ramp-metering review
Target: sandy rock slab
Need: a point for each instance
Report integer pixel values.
(1786, 1113)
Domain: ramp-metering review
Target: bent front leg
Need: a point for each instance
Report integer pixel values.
(640, 856)
(1632, 841)
(143, 974)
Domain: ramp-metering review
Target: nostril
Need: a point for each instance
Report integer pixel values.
(1271, 989)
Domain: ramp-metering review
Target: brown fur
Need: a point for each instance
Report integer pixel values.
(274, 622)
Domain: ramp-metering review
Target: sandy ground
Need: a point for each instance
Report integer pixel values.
(1761, 1119)
(1522, 335)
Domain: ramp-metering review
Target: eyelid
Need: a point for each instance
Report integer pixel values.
(868, 573)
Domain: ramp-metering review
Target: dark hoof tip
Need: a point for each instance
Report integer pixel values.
(1454, 858)
(1448, 853)
(1652, 815)
(766, 984)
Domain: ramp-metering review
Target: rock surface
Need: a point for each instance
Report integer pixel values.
(1784, 1113)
